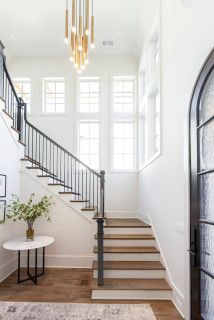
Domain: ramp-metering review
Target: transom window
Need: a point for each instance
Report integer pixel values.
(123, 94)
(89, 95)
(54, 95)
(89, 140)
(23, 89)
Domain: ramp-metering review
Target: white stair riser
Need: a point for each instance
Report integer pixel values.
(128, 243)
(132, 294)
(130, 257)
(128, 230)
(132, 274)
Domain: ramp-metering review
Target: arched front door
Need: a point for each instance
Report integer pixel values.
(202, 194)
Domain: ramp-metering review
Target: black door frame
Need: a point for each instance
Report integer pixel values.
(194, 189)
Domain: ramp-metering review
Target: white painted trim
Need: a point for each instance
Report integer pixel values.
(6, 120)
(63, 261)
(150, 161)
(8, 268)
(177, 296)
(122, 117)
(187, 215)
(132, 294)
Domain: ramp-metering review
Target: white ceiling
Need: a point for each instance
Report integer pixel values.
(35, 28)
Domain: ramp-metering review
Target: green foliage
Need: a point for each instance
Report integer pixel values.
(29, 211)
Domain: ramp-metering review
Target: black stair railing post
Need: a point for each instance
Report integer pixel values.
(100, 233)
(102, 193)
(19, 119)
(2, 57)
(100, 268)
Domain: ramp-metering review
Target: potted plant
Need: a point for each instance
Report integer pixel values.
(29, 212)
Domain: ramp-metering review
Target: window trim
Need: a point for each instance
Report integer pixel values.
(53, 79)
(87, 79)
(122, 117)
(153, 86)
(78, 139)
(27, 80)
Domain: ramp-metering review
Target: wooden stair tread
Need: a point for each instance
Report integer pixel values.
(66, 192)
(88, 209)
(7, 113)
(126, 223)
(128, 237)
(79, 201)
(22, 143)
(130, 265)
(128, 249)
(15, 129)
(30, 160)
(132, 284)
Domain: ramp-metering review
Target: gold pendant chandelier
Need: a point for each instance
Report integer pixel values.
(79, 31)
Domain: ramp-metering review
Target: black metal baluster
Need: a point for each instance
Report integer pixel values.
(64, 172)
(36, 148)
(93, 192)
(82, 187)
(78, 180)
(53, 164)
(89, 190)
(75, 187)
(86, 186)
(71, 173)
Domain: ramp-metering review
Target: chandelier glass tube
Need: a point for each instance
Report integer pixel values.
(79, 31)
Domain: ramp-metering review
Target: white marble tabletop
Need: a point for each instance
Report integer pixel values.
(22, 244)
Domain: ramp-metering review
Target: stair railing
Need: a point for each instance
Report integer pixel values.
(55, 162)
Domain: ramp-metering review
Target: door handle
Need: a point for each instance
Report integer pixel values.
(194, 248)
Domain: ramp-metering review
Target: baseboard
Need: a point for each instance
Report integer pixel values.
(61, 261)
(177, 297)
(121, 214)
(8, 268)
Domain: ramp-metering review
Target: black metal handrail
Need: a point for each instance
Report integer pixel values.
(55, 162)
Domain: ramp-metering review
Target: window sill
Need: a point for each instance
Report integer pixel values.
(150, 161)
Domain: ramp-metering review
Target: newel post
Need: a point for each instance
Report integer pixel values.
(100, 233)
(1, 71)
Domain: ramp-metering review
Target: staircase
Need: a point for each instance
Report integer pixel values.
(126, 260)
(132, 267)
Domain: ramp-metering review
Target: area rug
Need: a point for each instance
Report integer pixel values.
(74, 311)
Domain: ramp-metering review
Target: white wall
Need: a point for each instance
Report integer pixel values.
(10, 166)
(186, 40)
(73, 233)
(121, 189)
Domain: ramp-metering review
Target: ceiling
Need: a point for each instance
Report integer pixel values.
(36, 28)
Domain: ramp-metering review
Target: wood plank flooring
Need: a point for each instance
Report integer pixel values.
(71, 285)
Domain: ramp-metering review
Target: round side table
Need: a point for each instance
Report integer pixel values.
(20, 244)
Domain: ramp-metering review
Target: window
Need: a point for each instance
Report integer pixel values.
(123, 122)
(154, 125)
(89, 143)
(54, 95)
(149, 104)
(156, 50)
(89, 95)
(123, 145)
(123, 94)
(23, 89)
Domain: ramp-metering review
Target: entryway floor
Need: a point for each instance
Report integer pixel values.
(70, 285)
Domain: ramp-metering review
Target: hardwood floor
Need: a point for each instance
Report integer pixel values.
(70, 285)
